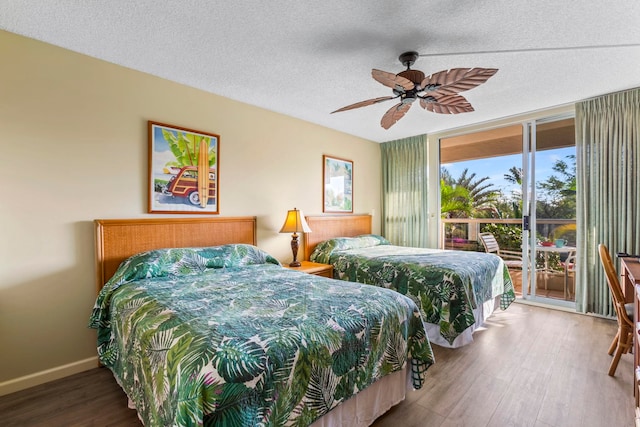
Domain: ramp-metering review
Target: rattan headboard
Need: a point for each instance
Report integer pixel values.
(118, 239)
(325, 227)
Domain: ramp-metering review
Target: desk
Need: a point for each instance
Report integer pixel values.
(559, 250)
(629, 277)
(630, 284)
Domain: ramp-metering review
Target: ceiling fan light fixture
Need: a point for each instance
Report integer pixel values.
(408, 98)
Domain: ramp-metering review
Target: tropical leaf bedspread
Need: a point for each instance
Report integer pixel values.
(447, 285)
(226, 336)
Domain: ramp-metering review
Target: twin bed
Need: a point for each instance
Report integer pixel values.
(455, 290)
(200, 327)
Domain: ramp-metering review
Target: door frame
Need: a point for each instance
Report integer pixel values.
(529, 252)
(435, 228)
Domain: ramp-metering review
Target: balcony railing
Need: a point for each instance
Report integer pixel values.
(462, 233)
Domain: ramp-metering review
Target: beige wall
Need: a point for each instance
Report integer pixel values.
(74, 148)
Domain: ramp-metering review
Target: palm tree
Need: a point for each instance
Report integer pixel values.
(514, 175)
(482, 194)
(455, 201)
(557, 195)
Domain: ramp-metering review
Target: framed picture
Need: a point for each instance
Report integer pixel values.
(337, 184)
(184, 167)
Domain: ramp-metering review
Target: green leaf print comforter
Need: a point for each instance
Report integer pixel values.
(447, 285)
(226, 336)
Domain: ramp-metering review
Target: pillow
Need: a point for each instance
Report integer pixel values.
(324, 249)
(185, 261)
(372, 240)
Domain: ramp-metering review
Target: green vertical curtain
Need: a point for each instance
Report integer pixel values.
(404, 191)
(608, 190)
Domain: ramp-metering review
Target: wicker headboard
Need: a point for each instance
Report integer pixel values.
(118, 239)
(325, 227)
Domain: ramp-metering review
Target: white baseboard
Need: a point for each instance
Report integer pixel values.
(52, 374)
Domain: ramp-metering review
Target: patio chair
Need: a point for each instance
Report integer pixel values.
(512, 259)
(569, 266)
(624, 312)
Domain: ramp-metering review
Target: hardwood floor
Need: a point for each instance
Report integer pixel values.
(531, 366)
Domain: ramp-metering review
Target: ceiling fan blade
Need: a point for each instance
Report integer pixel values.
(446, 104)
(394, 114)
(364, 103)
(391, 80)
(456, 80)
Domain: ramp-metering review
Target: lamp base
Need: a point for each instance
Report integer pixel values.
(294, 249)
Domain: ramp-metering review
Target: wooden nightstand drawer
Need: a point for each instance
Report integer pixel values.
(318, 269)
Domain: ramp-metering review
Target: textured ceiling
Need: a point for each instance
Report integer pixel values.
(306, 59)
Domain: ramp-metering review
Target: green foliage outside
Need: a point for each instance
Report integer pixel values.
(455, 201)
(467, 196)
(509, 236)
(470, 196)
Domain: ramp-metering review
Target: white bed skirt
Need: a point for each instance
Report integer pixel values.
(363, 408)
(481, 314)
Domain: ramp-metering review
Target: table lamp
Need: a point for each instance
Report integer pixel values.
(295, 223)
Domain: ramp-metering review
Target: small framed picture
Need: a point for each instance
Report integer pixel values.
(184, 167)
(337, 185)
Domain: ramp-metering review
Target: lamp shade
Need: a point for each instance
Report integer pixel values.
(295, 223)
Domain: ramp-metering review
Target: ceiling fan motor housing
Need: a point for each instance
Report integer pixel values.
(416, 76)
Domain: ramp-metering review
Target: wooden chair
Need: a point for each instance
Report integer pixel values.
(512, 259)
(624, 313)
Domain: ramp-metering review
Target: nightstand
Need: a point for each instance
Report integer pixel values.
(309, 267)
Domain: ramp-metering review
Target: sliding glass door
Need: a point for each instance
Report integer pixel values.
(517, 182)
(549, 201)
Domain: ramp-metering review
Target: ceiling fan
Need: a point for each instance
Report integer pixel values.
(437, 93)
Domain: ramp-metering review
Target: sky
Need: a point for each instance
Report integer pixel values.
(496, 167)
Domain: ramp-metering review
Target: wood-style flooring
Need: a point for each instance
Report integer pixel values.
(530, 366)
